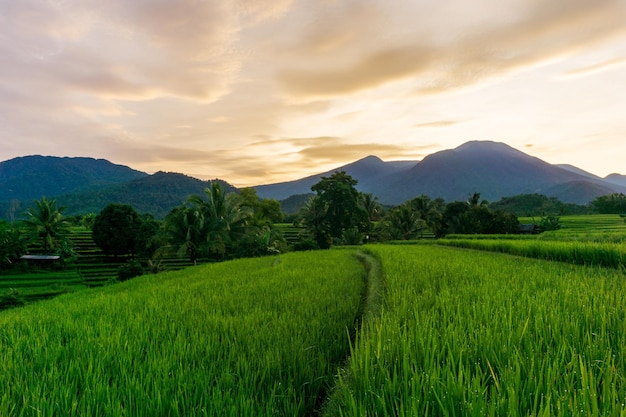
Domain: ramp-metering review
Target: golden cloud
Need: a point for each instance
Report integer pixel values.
(542, 32)
(596, 68)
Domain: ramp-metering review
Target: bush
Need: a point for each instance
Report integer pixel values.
(550, 223)
(306, 244)
(11, 299)
(129, 270)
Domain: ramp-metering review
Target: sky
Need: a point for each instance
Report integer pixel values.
(262, 91)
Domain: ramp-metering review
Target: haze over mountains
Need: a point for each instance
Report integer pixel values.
(493, 169)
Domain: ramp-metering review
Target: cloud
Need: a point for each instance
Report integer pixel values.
(530, 36)
(437, 124)
(594, 69)
(371, 71)
(124, 50)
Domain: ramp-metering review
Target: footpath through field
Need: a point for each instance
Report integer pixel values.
(471, 333)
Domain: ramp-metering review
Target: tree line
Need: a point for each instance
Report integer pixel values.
(219, 225)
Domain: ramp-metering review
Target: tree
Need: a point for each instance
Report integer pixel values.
(184, 228)
(430, 211)
(116, 228)
(474, 201)
(224, 220)
(402, 223)
(475, 217)
(372, 207)
(313, 215)
(610, 204)
(12, 245)
(341, 200)
(265, 212)
(45, 221)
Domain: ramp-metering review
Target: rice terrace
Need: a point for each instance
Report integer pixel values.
(435, 328)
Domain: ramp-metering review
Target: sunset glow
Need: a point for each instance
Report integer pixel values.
(262, 91)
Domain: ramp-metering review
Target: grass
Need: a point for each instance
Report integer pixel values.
(251, 337)
(583, 239)
(576, 252)
(482, 334)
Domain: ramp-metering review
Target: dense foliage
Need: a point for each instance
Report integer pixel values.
(536, 205)
(336, 214)
(221, 225)
(12, 245)
(610, 204)
(119, 230)
(45, 222)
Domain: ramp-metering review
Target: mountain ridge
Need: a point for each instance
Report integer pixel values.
(494, 169)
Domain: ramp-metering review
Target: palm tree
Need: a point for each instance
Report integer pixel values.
(427, 210)
(184, 226)
(403, 223)
(474, 201)
(371, 205)
(224, 219)
(313, 215)
(46, 222)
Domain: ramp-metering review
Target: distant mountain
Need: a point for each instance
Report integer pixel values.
(87, 185)
(155, 194)
(577, 170)
(616, 179)
(371, 172)
(32, 177)
(493, 169)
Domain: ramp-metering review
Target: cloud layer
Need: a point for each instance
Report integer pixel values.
(257, 91)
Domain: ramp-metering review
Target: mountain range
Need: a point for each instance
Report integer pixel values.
(493, 169)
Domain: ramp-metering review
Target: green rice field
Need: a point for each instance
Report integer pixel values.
(466, 333)
(251, 337)
(524, 326)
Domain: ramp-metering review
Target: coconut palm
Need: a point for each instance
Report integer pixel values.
(313, 215)
(224, 220)
(428, 210)
(184, 227)
(402, 223)
(371, 205)
(46, 222)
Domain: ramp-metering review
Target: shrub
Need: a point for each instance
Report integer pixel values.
(11, 299)
(129, 270)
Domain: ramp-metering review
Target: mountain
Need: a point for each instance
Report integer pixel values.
(616, 179)
(577, 170)
(493, 169)
(155, 194)
(87, 185)
(371, 172)
(32, 177)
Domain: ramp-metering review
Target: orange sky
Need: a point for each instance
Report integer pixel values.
(260, 91)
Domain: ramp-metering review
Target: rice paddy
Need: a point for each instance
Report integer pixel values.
(250, 337)
(525, 326)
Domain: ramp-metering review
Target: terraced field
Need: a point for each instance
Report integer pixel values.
(91, 269)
